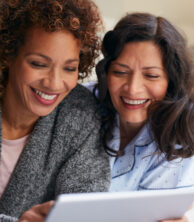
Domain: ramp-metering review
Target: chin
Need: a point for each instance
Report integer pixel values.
(40, 113)
(135, 121)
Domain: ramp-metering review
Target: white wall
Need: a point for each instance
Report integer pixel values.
(179, 12)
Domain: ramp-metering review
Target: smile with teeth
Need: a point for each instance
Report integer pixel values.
(134, 102)
(44, 95)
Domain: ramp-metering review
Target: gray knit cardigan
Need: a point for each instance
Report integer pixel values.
(63, 154)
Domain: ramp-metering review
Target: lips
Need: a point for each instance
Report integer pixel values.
(44, 95)
(45, 98)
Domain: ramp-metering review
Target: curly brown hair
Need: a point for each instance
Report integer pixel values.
(80, 17)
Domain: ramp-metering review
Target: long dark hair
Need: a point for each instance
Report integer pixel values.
(172, 119)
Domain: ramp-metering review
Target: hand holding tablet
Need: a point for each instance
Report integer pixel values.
(135, 206)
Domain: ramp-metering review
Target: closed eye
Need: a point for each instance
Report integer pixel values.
(37, 64)
(70, 69)
(152, 76)
(119, 72)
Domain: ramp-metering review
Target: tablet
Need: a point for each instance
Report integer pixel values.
(135, 206)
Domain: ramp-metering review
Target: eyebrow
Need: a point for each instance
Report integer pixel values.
(120, 64)
(145, 68)
(153, 67)
(49, 59)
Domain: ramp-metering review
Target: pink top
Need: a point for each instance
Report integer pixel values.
(10, 152)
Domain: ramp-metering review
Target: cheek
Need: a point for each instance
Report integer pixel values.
(115, 97)
(158, 91)
(18, 76)
(71, 82)
(113, 86)
(27, 75)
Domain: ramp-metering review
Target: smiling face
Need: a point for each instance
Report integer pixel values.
(44, 71)
(136, 79)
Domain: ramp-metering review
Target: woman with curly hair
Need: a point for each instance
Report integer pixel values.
(50, 129)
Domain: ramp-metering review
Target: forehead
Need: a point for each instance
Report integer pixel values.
(146, 52)
(38, 39)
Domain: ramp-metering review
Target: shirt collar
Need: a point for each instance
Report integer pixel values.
(144, 137)
(126, 162)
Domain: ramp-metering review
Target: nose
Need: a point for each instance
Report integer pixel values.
(54, 81)
(134, 83)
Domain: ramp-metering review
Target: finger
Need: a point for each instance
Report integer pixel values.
(37, 213)
(44, 208)
(175, 220)
(184, 219)
(31, 216)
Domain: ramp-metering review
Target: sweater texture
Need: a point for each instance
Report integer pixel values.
(63, 154)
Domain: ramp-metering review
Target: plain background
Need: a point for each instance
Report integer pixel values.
(179, 12)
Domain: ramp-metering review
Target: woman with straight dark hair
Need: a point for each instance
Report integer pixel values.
(145, 88)
(171, 119)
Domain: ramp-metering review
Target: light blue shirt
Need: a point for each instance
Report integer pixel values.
(142, 168)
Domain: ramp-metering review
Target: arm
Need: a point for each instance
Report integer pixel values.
(86, 166)
(163, 174)
(87, 169)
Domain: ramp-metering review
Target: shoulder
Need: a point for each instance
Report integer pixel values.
(163, 174)
(79, 107)
(81, 97)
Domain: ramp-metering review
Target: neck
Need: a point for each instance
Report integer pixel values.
(16, 123)
(128, 131)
